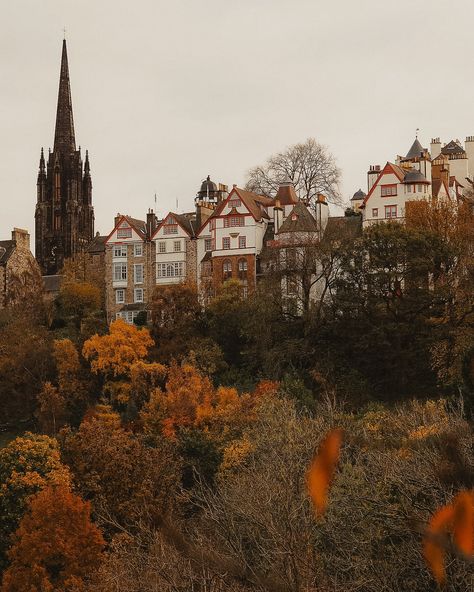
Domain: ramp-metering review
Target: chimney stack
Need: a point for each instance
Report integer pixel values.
(151, 223)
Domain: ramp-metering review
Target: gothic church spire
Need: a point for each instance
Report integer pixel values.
(64, 139)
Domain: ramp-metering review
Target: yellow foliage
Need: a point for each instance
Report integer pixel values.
(115, 354)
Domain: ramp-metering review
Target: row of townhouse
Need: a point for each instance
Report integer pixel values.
(222, 239)
(443, 172)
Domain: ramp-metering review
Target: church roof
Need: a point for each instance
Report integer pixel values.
(415, 150)
(299, 220)
(64, 138)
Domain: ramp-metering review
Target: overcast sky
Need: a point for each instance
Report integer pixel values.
(165, 93)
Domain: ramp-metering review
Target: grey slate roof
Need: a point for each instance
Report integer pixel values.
(299, 220)
(415, 176)
(343, 228)
(452, 147)
(358, 195)
(415, 150)
(6, 249)
(97, 245)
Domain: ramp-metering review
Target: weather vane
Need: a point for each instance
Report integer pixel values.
(417, 130)
(64, 32)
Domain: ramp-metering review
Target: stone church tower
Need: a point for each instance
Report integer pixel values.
(64, 212)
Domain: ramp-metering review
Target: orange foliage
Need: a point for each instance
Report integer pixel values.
(434, 548)
(464, 522)
(456, 518)
(114, 354)
(322, 469)
(56, 545)
(190, 400)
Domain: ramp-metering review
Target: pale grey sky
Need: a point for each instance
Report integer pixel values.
(165, 93)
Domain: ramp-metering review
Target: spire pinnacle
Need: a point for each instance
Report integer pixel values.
(64, 140)
(42, 165)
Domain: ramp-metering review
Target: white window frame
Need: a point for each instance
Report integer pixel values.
(120, 251)
(122, 275)
(119, 292)
(127, 315)
(177, 246)
(208, 244)
(138, 295)
(171, 269)
(135, 275)
(138, 250)
(162, 247)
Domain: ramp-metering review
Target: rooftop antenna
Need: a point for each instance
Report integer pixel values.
(64, 33)
(155, 201)
(177, 206)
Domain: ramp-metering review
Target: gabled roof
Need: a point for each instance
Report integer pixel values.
(6, 249)
(186, 221)
(254, 203)
(299, 220)
(387, 169)
(453, 147)
(138, 225)
(436, 187)
(415, 150)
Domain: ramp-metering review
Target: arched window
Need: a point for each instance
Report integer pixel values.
(227, 269)
(242, 266)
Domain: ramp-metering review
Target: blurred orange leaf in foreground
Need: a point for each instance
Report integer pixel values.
(322, 468)
(457, 519)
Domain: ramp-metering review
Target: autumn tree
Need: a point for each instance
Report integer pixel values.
(454, 223)
(201, 419)
(25, 364)
(27, 465)
(176, 319)
(125, 479)
(113, 355)
(51, 409)
(78, 299)
(308, 165)
(56, 546)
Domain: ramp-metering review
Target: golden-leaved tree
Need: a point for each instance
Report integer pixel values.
(56, 547)
(27, 465)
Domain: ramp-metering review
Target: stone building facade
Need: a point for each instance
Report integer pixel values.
(19, 272)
